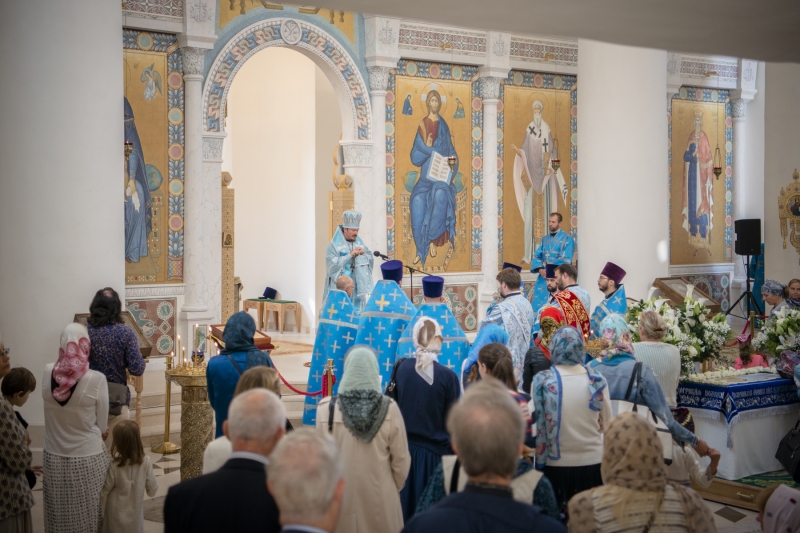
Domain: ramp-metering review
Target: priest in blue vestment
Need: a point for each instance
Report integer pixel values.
(556, 248)
(515, 315)
(385, 318)
(347, 255)
(615, 301)
(456, 345)
(433, 198)
(336, 333)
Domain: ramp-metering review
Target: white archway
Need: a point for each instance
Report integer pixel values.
(310, 40)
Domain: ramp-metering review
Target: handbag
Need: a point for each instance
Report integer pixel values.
(788, 453)
(626, 406)
(391, 388)
(786, 363)
(117, 398)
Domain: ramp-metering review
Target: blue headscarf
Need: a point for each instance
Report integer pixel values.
(238, 337)
(615, 341)
(488, 334)
(566, 348)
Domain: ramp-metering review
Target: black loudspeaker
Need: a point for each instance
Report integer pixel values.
(748, 236)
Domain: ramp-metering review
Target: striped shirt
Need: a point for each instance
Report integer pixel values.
(665, 360)
(670, 517)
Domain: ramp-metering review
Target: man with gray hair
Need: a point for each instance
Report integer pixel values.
(486, 430)
(306, 480)
(235, 497)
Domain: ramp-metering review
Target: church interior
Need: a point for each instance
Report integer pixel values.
(204, 164)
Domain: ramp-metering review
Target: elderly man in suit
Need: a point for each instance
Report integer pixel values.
(487, 430)
(235, 497)
(307, 481)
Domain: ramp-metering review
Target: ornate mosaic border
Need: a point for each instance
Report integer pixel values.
(447, 71)
(534, 50)
(168, 43)
(697, 67)
(169, 8)
(540, 80)
(422, 37)
(698, 94)
(270, 33)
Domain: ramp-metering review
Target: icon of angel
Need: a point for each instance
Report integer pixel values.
(152, 80)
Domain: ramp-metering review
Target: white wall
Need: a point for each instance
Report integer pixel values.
(781, 157)
(61, 162)
(282, 107)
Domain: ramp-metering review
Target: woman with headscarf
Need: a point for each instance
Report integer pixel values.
(538, 356)
(636, 495)
(425, 392)
(793, 288)
(571, 405)
(488, 334)
(617, 366)
(779, 509)
(371, 437)
(774, 293)
(75, 424)
(223, 372)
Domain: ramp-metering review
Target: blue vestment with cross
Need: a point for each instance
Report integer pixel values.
(615, 303)
(455, 345)
(336, 333)
(383, 321)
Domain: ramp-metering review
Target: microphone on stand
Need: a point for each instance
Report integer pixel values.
(378, 254)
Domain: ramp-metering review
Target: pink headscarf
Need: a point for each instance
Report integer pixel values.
(73, 360)
(782, 513)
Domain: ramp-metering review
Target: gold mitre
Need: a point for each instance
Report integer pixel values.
(698, 112)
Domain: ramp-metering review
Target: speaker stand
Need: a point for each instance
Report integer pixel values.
(747, 295)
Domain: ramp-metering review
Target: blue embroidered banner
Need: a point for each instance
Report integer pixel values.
(737, 398)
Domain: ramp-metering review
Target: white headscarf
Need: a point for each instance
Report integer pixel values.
(427, 338)
(783, 511)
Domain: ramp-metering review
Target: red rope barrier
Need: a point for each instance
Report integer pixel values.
(299, 391)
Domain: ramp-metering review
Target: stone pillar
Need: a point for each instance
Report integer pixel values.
(622, 186)
(378, 81)
(358, 165)
(61, 161)
(490, 91)
(739, 107)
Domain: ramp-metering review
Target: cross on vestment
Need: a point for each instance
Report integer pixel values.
(447, 343)
(387, 364)
(618, 299)
(335, 346)
(394, 295)
(308, 408)
(348, 338)
(446, 318)
(317, 376)
(332, 311)
(458, 352)
(545, 145)
(406, 308)
(382, 303)
(378, 351)
(450, 365)
(369, 338)
(532, 130)
(317, 354)
(389, 341)
(380, 328)
(352, 316)
(342, 304)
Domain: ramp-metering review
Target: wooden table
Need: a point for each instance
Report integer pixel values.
(279, 307)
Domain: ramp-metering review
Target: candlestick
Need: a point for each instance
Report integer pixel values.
(183, 356)
(178, 350)
(196, 342)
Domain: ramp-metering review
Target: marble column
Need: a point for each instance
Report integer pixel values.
(490, 91)
(378, 82)
(739, 108)
(358, 159)
(622, 186)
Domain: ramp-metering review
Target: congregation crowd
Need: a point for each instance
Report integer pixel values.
(549, 445)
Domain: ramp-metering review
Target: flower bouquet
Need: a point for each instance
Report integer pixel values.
(781, 332)
(697, 337)
(718, 377)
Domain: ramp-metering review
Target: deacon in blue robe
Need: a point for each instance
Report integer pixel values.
(515, 315)
(347, 255)
(433, 202)
(615, 301)
(455, 345)
(336, 333)
(385, 318)
(556, 248)
(138, 203)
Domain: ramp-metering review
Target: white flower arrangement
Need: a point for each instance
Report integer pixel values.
(781, 332)
(717, 377)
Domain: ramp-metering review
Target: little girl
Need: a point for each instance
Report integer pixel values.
(129, 476)
(748, 359)
(685, 466)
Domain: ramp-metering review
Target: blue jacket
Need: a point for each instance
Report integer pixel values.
(481, 510)
(618, 373)
(222, 379)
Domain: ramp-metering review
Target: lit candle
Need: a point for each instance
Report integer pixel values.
(178, 349)
(183, 356)
(196, 338)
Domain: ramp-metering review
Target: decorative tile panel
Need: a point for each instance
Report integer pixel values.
(461, 299)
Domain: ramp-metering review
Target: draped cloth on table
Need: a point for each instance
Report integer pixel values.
(615, 304)
(557, 249)
(336, 333)
(455, 345)
(339, 263)
(382, 322)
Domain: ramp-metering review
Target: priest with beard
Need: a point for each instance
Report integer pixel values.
(615, 301)
(556, 248)
(347, 255)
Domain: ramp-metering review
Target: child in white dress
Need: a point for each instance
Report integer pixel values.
(685, 466)
(129, 476)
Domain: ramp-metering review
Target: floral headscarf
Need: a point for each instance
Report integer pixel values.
(566, 348)
(73, 361)
(615, 337)
(361, 401)
(427, 339)
(773, 287)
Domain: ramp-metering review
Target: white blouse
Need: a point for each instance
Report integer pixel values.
(76, 429)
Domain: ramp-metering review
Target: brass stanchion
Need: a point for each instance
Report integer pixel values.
(167, 447)
(329, 377)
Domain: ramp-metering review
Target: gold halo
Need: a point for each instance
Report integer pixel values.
(436, 86)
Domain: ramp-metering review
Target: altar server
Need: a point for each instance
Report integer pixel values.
(515, 315)
(347, 255)
(615, 301)
(336, 333)
(556, 248)
(385, 317)
(455, 345)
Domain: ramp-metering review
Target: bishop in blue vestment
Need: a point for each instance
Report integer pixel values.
(347, 255)
(385, 318)
(556, 248)
(336, 333)
(455, 345)
(616, 301)
(433, 199)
